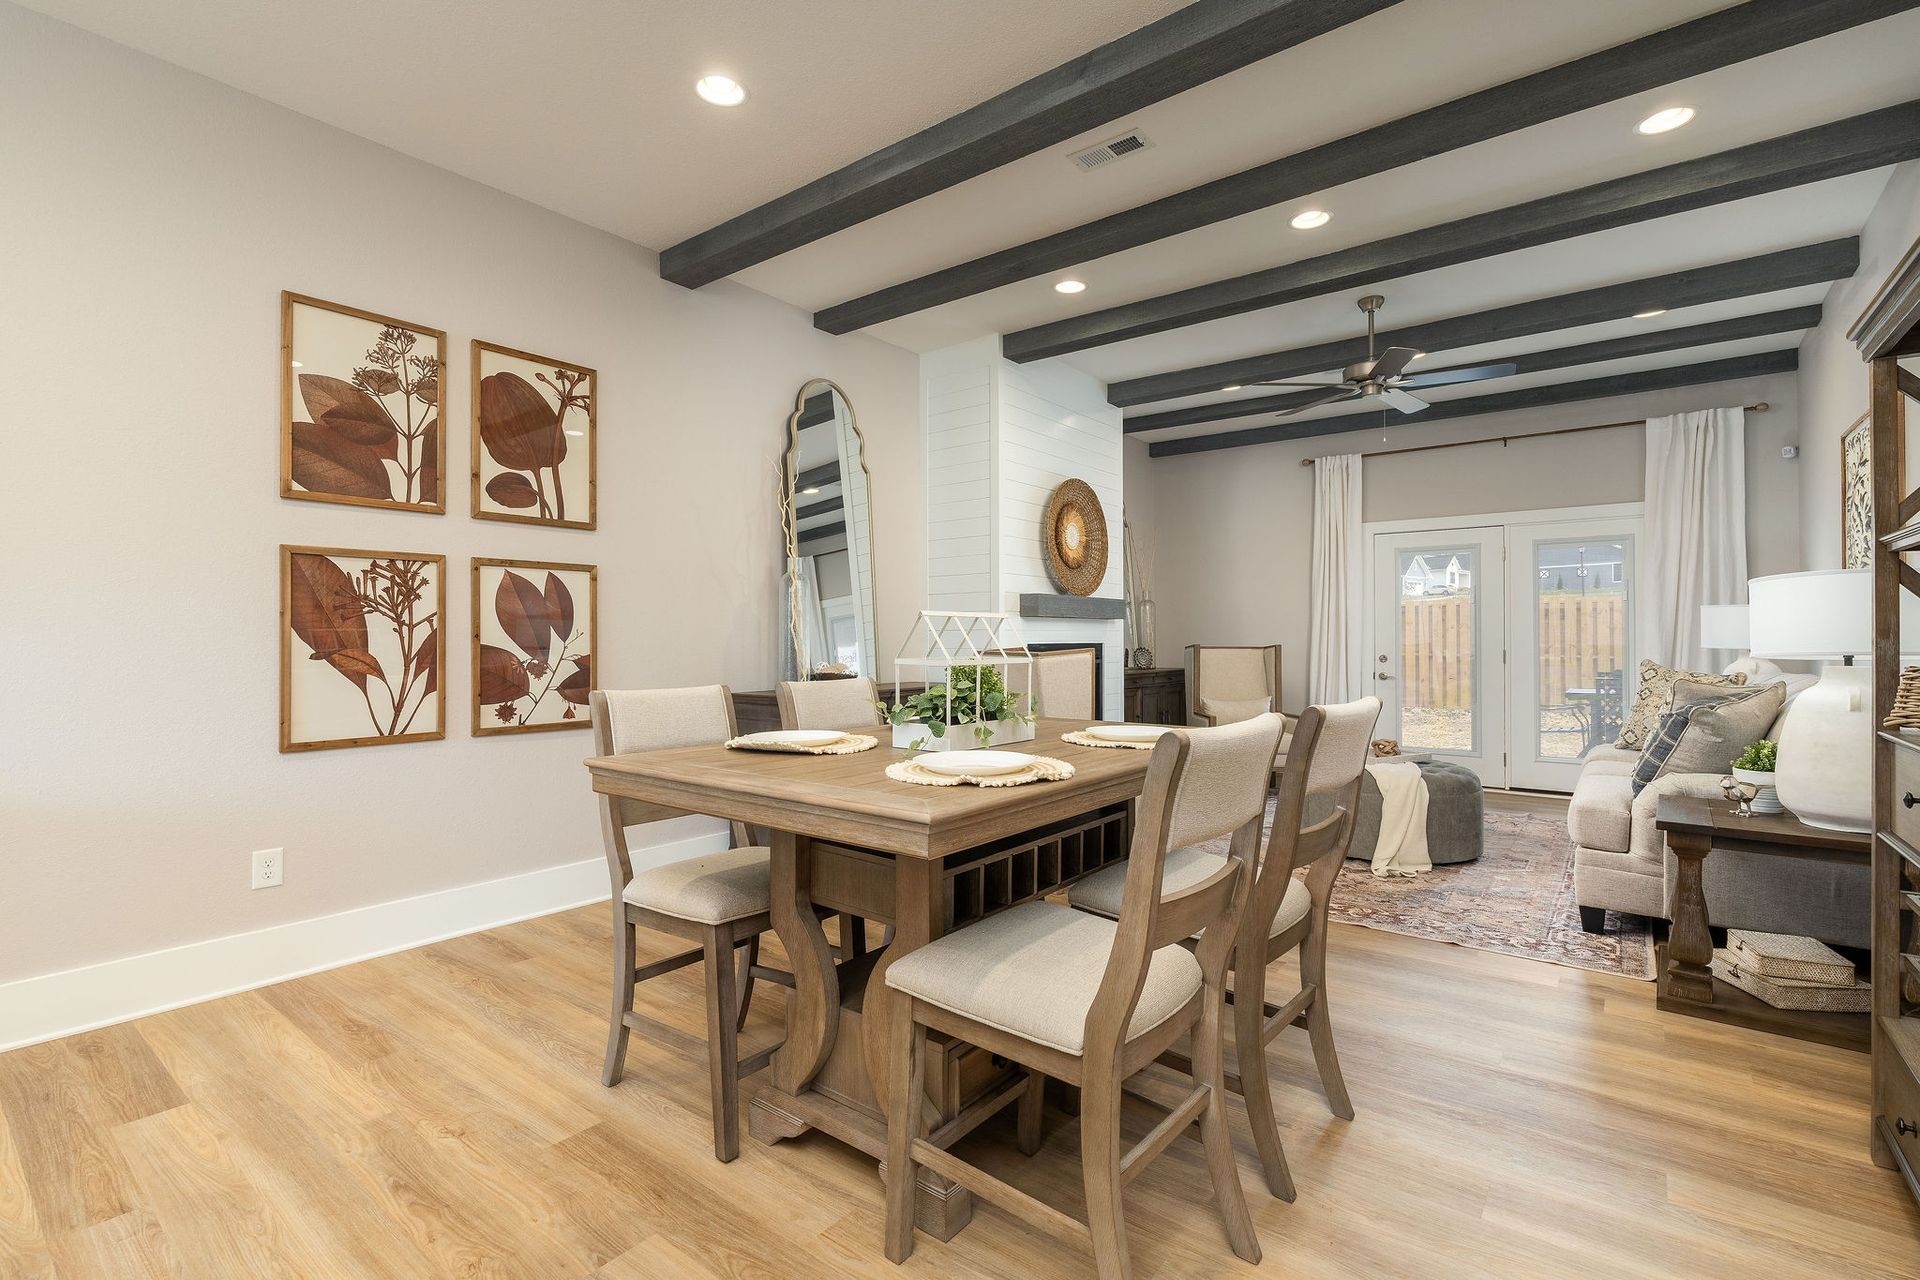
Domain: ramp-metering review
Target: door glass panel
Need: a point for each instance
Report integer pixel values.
(1580, 602)
(1439, 705)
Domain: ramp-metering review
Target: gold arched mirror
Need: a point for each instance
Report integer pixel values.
(828, 522)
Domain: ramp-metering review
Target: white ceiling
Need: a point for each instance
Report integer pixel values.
(586, 107)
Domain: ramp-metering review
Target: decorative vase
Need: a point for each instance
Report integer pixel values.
(1767, 799)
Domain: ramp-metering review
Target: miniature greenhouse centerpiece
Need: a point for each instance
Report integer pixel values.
(978, 684)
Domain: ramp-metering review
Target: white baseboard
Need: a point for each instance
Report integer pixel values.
(52, 1005)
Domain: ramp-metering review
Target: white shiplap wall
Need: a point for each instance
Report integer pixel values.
(1000, 438)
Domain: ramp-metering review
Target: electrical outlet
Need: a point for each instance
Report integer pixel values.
(269, 866)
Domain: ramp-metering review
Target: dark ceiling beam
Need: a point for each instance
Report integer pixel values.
(1734, 34)
(1883, 137)
(1656, 342)
(819, 508)
(1744, 277)
(1619, 384)
(1187, 48)
(818, 477)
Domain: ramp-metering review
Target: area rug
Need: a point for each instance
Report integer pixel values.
(1517, 899)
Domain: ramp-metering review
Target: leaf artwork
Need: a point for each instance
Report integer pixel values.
(375, 435)
(523, 429)
(329, 611)
(548, 655)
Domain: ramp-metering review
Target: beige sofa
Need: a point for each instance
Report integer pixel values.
(1621, 863)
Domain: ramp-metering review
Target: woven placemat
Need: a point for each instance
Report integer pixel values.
(1079, 739)
(1043, 769)
(849, 745)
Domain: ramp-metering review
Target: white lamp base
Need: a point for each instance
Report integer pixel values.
(1825, 773)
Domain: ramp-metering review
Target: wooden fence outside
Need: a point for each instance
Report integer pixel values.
(1586, 634)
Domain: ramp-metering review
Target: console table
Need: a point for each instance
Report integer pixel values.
(1686, 984)
(1156, 695)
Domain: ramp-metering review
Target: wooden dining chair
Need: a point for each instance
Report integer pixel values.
(719, 901)
(833, 704)
(1065, 683)
(1091, 1002)
(828, 704)
(1228, 682)
(1326, 764)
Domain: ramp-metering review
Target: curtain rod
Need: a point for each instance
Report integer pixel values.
(1762, 407)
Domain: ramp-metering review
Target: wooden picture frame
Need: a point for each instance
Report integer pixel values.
(1856, 494)
(351, 441)
(527, 620)
(527, 411)
(324, 609)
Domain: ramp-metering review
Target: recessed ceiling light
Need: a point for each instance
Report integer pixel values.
(721, 91)
(1234, 387)
(810, 492)
(1648, 315)
(1664, 121)
(1070, 286)
(575, 431)
(298, 365)
(1310, 219)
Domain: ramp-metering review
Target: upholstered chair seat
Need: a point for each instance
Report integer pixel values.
(1100, 892)
(828, 704)
(712, 889)
(1034, 971)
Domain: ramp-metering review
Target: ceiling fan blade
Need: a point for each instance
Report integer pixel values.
(1467, 373)
(1402, 401)
(1304, 400)
(1392, 362)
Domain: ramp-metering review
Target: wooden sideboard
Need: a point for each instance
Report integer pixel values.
(1156, 695)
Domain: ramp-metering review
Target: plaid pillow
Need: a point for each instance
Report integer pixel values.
(1723, 725)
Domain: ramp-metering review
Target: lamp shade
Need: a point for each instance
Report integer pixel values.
(1823, 614)
(1723, 626)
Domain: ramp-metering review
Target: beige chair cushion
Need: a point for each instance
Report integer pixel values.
(1224, 785)
(1345, 744)
(833, 704)
(712, 889)
(1033, 971)
(656, 719)
(1234, 710)
(1063, 683)
(1101, 891)
(1600, 814)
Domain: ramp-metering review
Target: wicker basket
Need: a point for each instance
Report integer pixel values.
(1783, 993)
(1781, 955)
(1906, 701)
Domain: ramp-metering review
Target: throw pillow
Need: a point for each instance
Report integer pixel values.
(1234, 710)
(1706, 735)
(1656, 684)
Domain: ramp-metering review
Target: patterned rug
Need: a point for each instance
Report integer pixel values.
(1516, 899)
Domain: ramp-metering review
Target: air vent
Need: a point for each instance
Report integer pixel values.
(1112, 149)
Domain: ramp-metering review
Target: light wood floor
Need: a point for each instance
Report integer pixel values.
(439, 1112)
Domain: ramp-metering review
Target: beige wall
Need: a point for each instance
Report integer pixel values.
(152, 219)
(1833, 379)
(1229, 532)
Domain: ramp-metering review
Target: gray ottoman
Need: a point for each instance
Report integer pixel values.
(1454, 810)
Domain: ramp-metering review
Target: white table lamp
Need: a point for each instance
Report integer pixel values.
(1724, 626)
(1825, 772)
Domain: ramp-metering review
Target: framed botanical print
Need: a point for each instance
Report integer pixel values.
(362, 402)
(361, 647)
(533, 438)
(1856, 495)
(535, 631)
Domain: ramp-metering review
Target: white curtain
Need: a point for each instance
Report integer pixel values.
(1696, 550)
(1336, 664)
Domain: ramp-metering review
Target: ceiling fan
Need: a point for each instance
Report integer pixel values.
(1384, 376)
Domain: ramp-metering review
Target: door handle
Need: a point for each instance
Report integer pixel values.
(1905, 1128)
(1908, 801)
(1381, 675)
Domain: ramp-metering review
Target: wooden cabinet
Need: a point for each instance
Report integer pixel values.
(1156, 695)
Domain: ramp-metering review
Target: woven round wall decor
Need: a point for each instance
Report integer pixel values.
(1074, 533)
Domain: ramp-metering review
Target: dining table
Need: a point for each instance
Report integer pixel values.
(847, 840)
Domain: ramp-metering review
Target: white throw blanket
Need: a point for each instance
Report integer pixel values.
(1402, 848)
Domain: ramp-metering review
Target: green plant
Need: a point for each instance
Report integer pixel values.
(1760, 757)
(971, 695)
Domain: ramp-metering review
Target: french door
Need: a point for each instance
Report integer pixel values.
(1439, 617)
(1505, 647)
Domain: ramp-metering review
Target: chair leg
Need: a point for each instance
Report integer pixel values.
(1032, 1112)
(906, 1078)
(853, 937)
(1313, 971)
(749, 956)
(617, 1028)
(723, 1055)
(1249, 1019)
(1100, 1168)
(1207, 1070)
